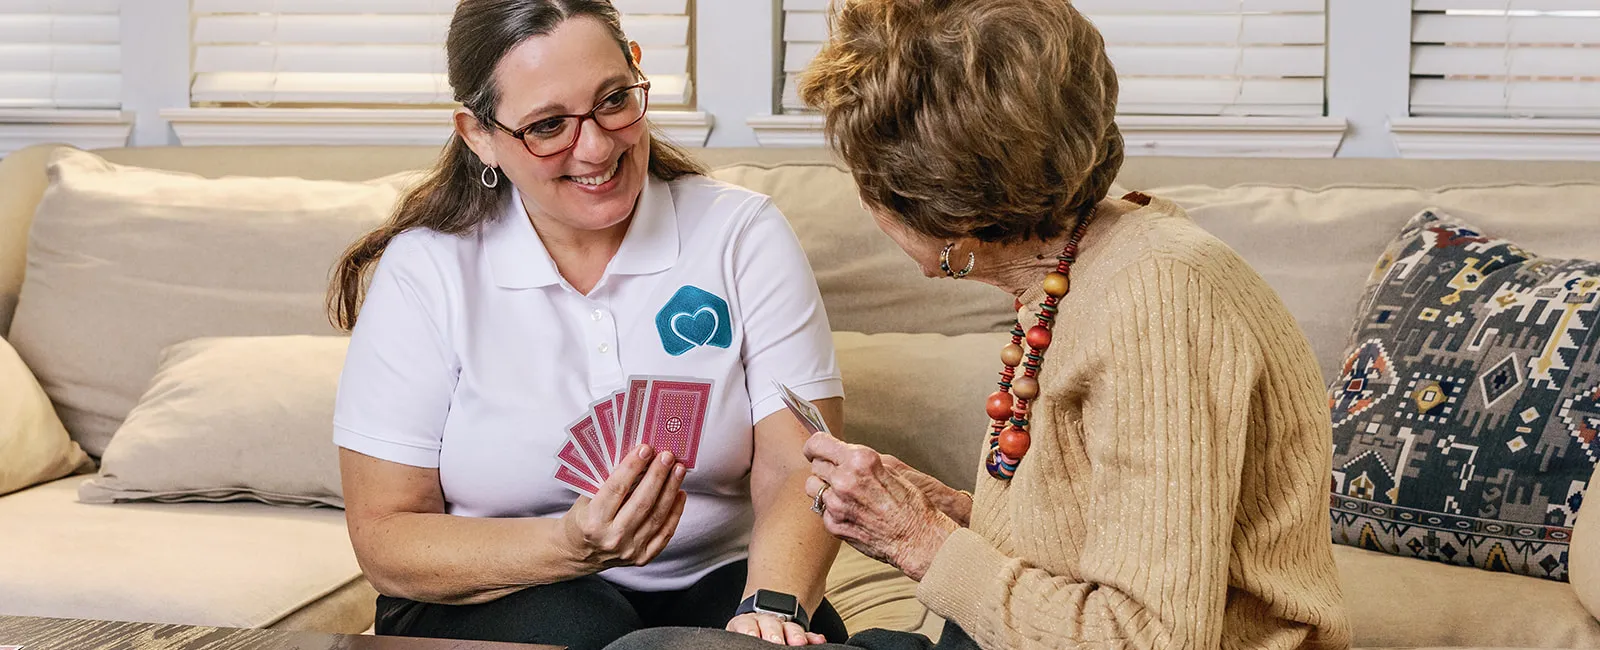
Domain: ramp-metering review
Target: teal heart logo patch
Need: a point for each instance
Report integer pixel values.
(694, 318)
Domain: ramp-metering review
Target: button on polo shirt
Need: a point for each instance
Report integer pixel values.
(472, 355)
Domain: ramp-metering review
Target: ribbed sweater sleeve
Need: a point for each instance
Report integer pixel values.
(1165, 442)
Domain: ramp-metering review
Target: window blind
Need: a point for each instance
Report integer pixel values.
(60, 54)
(1506, 58)
(380, 52)
(1173, 57)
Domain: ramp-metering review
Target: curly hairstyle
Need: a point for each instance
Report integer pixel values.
(992, 119)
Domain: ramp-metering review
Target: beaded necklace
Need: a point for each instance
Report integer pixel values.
(1009, 407)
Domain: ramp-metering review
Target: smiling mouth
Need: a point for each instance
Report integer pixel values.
(602, 179)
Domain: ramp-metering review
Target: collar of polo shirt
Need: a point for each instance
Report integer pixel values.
(519, 259)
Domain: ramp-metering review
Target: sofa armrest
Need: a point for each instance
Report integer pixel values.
(1583, 558)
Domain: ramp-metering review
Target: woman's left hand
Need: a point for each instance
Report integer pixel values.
(770, 628)
(870, 506)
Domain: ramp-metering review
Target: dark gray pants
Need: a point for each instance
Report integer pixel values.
(953, 638)
(584, 614)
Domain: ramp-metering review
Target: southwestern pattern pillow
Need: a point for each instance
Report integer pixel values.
(1466, 414)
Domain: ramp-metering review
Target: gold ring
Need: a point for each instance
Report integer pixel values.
(817, 505)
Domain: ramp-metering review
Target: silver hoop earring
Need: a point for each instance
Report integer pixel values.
(944, 262)
(490, 177)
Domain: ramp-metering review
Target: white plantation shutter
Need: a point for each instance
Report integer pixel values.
(1506, 58)
(662, 29)
(805, 29)
(60, 54)
(378, 52)
(1173, 57)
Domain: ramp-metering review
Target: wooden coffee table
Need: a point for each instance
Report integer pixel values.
(76, 634)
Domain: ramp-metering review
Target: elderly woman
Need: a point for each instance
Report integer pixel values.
(557, 251)
(1156, 471)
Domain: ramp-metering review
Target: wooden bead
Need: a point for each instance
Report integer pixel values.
(1011, 355)
(1056, 284)
(1014, 442)
(999, 406)
(1039, 338)
(1026, 388)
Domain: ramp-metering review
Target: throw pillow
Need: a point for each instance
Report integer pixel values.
(227, 419)
(125, 261)
(34, 447)
(1466, 414)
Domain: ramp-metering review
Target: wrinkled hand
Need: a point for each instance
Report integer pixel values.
(770, 628)
(874, 507)
(628, 524)
(955, 504)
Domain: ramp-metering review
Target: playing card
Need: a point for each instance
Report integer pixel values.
(674, 417)
(632, 411)
(803, 409)
(572, 457)
(586, 434)
(605, 419)
(577, 482)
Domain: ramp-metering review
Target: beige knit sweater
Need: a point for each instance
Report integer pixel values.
(1176, 492)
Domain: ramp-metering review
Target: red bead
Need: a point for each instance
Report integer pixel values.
(1039, 338)
(1000, 405)
(1014, 442)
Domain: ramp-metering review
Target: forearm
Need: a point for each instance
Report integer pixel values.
(453, 560)
(790, 551)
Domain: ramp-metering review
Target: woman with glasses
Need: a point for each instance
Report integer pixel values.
(557, 250)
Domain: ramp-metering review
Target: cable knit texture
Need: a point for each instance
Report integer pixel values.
(1176, 492)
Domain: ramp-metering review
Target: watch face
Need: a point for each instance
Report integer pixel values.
(775, 601)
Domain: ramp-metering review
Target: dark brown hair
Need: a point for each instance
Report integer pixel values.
(992, 119)
(451, 199)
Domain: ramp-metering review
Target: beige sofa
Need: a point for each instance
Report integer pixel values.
(1312, 228)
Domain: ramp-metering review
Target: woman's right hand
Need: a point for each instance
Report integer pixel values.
(632, 518)
(955, 504)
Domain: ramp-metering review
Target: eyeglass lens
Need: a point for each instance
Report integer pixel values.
(617, 111)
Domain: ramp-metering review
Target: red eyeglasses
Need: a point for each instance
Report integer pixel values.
(557, 134)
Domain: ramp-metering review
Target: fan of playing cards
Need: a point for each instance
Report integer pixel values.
(667, 413)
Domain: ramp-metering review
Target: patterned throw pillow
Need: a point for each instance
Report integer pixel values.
(1465, 417)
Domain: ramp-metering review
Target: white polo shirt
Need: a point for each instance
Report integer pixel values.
(472, 354)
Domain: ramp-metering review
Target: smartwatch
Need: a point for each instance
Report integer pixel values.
(776, 603)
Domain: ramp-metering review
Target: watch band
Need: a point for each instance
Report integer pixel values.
(799, 616)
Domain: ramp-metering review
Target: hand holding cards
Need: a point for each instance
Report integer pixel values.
(667, 413)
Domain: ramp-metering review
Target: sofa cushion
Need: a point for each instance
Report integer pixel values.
(870, 594)
(34, 447)
(229, 419)
(1285, 234)
(868, 284)
(920, 397)
(125, 261)
(1465, 418)
(228, 565)
(1405, 602)
(1392, 602)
